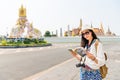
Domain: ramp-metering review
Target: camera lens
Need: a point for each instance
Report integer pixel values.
(80, 65)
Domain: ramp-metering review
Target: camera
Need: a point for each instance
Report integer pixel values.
(80, 65)
(82, 53)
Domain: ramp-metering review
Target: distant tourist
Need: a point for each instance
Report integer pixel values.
(90, 58)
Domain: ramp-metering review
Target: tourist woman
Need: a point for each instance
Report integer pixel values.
(94, 57)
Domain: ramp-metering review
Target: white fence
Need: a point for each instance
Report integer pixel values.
(77, 39)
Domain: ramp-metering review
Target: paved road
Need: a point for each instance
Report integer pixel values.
(16, 64)
(57, 73)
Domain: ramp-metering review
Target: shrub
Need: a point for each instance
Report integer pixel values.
(4, 42)
(27, 41)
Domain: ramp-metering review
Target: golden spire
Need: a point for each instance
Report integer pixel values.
(101, 27)
(22, 11)
(80, 26)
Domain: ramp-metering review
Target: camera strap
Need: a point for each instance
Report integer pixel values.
(83, 59)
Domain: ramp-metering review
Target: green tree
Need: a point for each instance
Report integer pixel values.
(47, 34)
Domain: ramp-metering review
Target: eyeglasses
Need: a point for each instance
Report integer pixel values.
(85, 33)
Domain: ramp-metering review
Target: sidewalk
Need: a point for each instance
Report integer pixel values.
(68, 71)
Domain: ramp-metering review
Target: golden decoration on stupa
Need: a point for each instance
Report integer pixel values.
(22, 11)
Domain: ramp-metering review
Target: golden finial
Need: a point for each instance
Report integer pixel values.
(22, 11)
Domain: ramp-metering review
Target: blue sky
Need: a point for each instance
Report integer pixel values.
(55, 14)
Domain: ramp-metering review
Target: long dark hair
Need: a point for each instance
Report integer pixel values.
(85, 41)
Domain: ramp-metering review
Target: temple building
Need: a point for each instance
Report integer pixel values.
(23, 28)
(98, 31)
(109, 33)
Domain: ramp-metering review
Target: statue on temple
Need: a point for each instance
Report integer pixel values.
(23, 28)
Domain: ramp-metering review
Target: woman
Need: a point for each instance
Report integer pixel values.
(93, 59)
